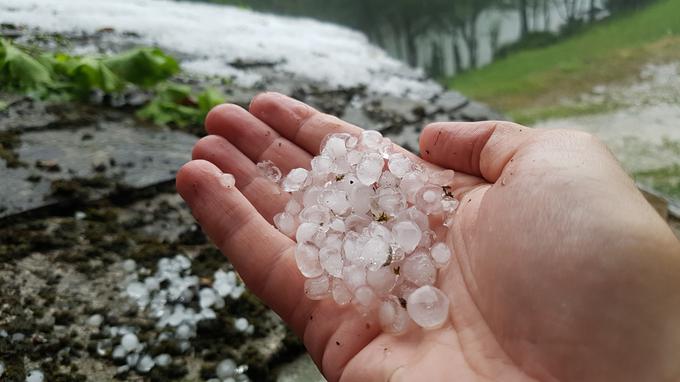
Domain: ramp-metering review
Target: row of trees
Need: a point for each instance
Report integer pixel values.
(411, 28)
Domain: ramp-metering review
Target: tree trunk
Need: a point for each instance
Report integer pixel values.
(470, 39)
(455, 52)
(546, 15)
(524, 22)
(591, 13)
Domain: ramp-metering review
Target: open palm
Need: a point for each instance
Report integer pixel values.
(561, 270)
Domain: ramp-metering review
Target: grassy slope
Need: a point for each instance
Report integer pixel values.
(529, 84)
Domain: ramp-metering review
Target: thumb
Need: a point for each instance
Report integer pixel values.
(476, 148)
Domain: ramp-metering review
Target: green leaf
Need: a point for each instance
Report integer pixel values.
(18, 70)
(87, 73)
(208, 99)
(144, 66)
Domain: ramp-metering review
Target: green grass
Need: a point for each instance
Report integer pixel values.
(528, 81)
(664, 179)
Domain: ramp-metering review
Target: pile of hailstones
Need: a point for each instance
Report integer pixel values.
(369, 224)
(177, 301)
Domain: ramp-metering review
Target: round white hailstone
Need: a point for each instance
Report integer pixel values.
(371, 139)
(225, 369)
(119, 352)
(333, 240)
(317, 288)
(95, 320)
(129, 265)
(419, 269)
(223, 287)
(392, 316)
(316, 214)
(307, 258)
(145, 364)
(428, 238)
(207, 297)
(387, 179)
(429, 199)
(241, 324)
(184, 346)
(331, 261)
(399, 165)
(137, 291)
(442, 178)
(322, 165)
(378, 230)
(337, 201)
(450, 205)
(390, 200)
(227, 180)
(295, 180)
(269, 170)
(285, 222)
(411, 183)
(416, 216)
(132, 359)
(293, 207)
(354, 157)
(338, 225)
(370, 168)
(305, 232)
(364, 299)
(320, 236)
(428, 307)
(341, 295)
(375, 253)
(386, 147)
(381, 280)
(152, 283)
(359, 201)
(35, 376)
(407, 234)
(334, 147)
(208, 314)
(183, 332)
(341, 167)
(356, 223)
(354, 276)
(129, 342)
(182, 262)
(104, 347)
(440, 254)
(311, 196)
(163, 360)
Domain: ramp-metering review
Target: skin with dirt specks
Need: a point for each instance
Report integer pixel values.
(563, 273)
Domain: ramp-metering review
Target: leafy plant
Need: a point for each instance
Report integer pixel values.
(19, 71)
(67, 77)
(144, 67)
(175, 104)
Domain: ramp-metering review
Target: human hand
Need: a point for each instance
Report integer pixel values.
(561, 271)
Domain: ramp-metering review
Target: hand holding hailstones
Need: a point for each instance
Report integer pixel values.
(361, 218)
